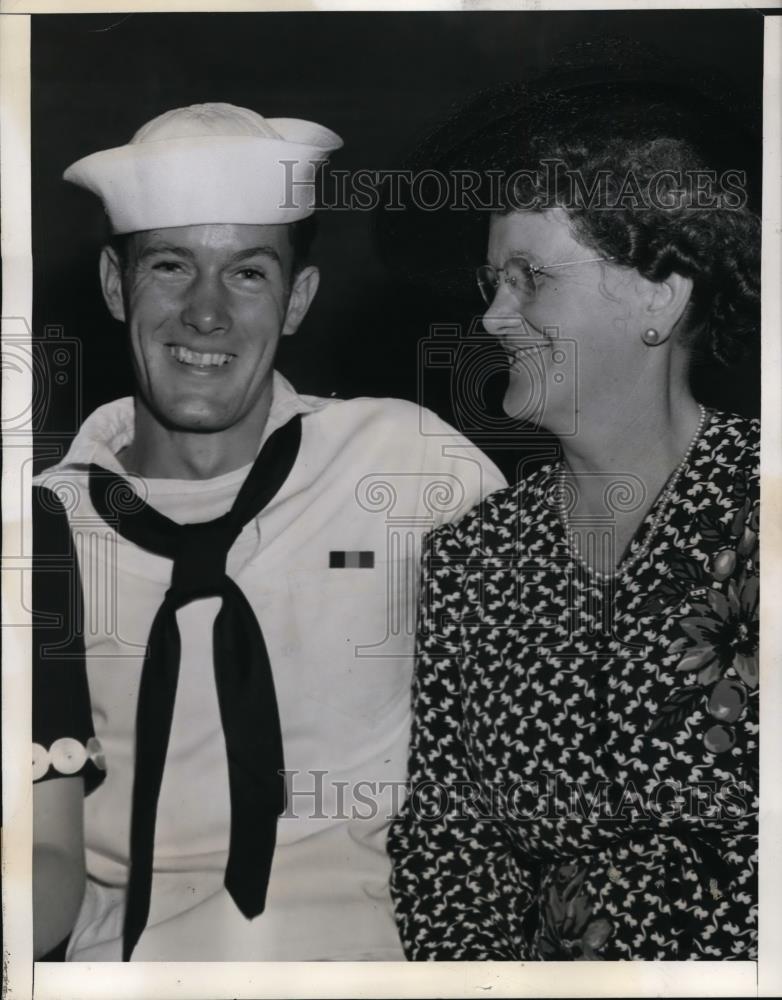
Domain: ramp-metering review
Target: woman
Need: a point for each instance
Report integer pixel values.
(583, 762)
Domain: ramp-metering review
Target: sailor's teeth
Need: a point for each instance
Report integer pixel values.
(187, 357)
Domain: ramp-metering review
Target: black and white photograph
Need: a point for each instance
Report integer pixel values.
(388, 459)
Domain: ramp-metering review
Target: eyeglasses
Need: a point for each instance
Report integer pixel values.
(523, 278)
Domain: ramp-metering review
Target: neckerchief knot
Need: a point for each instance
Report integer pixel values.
(199, 560)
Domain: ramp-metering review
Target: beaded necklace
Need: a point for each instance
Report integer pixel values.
(662, 509)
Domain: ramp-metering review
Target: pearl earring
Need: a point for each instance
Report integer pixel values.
(651, 337)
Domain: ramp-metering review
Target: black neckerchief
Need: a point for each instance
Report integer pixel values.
(245, 687)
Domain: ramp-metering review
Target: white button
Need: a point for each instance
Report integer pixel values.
(67, 755)
(95, 753)
(40, 761)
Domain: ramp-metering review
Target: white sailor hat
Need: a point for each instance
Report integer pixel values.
(208, 163)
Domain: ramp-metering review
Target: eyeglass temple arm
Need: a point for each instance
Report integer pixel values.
(569, 263)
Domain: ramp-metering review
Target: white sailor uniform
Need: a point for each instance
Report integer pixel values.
(330, 570)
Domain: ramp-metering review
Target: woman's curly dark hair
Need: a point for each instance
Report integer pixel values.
(605, 114)
(656, 190)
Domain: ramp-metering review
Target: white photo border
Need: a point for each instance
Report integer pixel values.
(58, 981)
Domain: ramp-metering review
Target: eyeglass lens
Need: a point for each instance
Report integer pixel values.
(518, 274)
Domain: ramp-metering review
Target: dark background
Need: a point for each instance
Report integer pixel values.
(381, 81)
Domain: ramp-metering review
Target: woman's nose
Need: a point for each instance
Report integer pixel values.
(206, 310)
(503, 314)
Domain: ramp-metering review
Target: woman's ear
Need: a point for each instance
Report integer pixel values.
(111, 282)
(666, 302)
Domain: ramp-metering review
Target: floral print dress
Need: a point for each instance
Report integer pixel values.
(584, 755)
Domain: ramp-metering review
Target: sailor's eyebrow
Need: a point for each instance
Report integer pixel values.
(259, 251)
(151, 249)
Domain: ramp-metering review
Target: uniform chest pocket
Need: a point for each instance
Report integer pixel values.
(344, 638)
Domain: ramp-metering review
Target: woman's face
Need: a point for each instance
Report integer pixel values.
(572, 334)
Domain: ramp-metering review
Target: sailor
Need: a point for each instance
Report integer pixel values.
(248, 557)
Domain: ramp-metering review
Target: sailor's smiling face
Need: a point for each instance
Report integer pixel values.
(205, 308)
